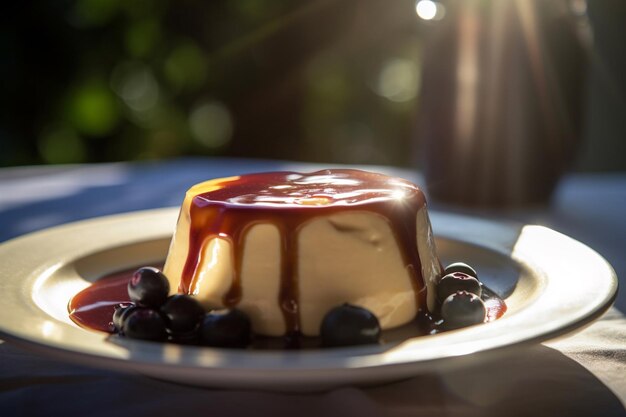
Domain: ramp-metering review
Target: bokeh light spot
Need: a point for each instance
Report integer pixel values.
(398, 80)
(186, 66)
(211, 124)
(430, 10)
(578, 7)
(136, 85)
(141, 37)
(93, 109)
(61, 145)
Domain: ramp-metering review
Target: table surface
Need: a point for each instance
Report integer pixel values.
(581, 375)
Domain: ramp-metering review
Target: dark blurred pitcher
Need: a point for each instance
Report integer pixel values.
(501, 104)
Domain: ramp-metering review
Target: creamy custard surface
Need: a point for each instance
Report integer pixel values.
(286, 247)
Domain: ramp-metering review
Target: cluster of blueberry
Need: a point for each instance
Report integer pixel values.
(459, 295)
(152, 315)
(459, 301)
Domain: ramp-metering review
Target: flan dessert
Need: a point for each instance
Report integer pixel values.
(287, 247)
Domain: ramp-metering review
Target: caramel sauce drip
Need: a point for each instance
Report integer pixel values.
(288, 200)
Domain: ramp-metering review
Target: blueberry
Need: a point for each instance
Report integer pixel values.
(348, 325)
(120, 313)
(145, 324)
(460, 267)
(226, 328)
(457, 281)
(148, 287)
(462, 309)
(182, 313)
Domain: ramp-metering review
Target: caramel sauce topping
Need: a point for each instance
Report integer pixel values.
(287, 200)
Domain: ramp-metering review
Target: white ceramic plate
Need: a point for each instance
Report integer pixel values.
(553, 285)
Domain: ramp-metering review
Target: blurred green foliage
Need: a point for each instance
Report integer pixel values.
(106, 80)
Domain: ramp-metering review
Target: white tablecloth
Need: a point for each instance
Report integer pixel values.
(580, 375)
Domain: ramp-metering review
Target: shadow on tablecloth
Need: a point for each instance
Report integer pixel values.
(534, 381)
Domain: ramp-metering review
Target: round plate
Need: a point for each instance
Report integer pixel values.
(552, 284)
